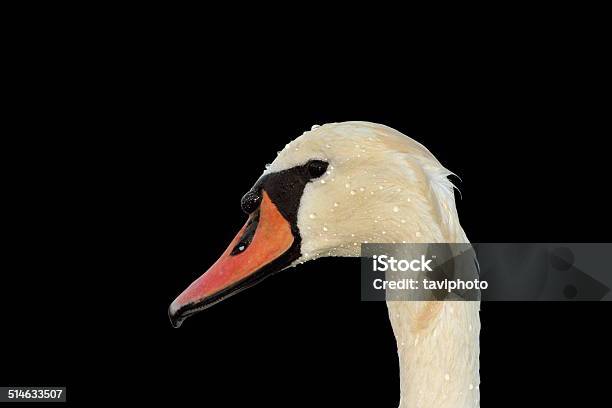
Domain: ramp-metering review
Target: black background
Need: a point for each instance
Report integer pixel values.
(124, 176)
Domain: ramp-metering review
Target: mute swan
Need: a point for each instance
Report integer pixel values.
(332, 188)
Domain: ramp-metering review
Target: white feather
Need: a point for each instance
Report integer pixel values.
(382, 186)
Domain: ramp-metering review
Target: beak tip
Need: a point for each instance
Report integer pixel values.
(175, 316)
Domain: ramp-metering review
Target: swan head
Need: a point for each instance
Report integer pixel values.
(329, 190)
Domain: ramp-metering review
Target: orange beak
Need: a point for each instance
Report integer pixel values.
(259, 249)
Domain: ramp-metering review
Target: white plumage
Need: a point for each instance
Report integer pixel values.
(382, 186)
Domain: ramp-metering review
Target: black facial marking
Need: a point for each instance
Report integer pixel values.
(250, 201)
(286, 187)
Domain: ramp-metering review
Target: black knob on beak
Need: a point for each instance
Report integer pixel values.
(250, 202)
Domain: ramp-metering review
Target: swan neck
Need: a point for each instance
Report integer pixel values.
(438, 349)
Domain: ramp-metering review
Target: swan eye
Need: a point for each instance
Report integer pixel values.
(316, 168)
(250, 202)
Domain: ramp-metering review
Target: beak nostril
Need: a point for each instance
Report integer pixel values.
(247, 237)
(250, 202)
